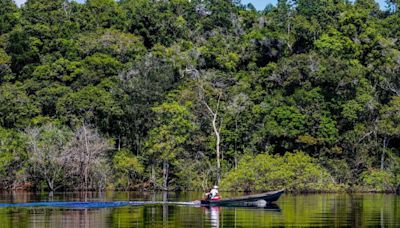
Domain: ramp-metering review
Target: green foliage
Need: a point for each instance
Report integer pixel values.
(351, 110)
(378, 180)
(48, 97)
(293, 171)
(93, 104)
(123, 46)
(105, 13)
(62, 70)
(285, 121)
(5, 70)
(8, 15)
(161, 79)
(24, 51)
(335, 44)
(13, 158)
(339, 168)
(98, 67)
(16, 107)
(327, 130)
(390, 117)
(167, 141)
(128, 169)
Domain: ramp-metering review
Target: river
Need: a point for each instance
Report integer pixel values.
(331, 210)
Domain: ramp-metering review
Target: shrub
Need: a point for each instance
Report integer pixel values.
(293, 171)
(378, 180)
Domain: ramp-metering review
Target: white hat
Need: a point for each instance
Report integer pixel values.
(215, 186)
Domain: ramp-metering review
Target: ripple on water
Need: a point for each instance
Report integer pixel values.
(318, 210)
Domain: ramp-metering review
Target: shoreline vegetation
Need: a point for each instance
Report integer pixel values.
(182, 95)
(358, 190)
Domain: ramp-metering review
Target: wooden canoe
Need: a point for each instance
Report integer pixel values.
(268, 197)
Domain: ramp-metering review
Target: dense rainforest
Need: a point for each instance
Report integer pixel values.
(184, 94)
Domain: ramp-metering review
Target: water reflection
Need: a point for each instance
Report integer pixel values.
(337, 210)
(272, 207)
(213, 213)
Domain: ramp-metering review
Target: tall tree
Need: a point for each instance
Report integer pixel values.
(8, 15)
(389, 125)
(169, 139)
(210, 86)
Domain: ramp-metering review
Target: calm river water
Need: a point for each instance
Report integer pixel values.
(331, 210)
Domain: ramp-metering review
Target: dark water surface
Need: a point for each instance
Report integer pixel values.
(330, 210)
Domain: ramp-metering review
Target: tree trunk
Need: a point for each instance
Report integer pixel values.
(86, 177)
(235, 146)
(153, 175)
(218, 137)
(385, 144)
(137, 144)
(119, 142)
(165, 175)
(87, 159)
(217, 131)
(50, 184)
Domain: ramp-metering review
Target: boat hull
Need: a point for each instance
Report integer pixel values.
(267, 197)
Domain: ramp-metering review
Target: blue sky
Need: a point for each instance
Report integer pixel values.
(19, 2)
(259, 4)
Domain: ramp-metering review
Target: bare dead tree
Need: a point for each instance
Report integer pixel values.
(215, 120)
(88, 151)
(392, 87)
(48, 154)
(217, 132)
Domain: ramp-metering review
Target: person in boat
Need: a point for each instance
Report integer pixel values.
(213, 194)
